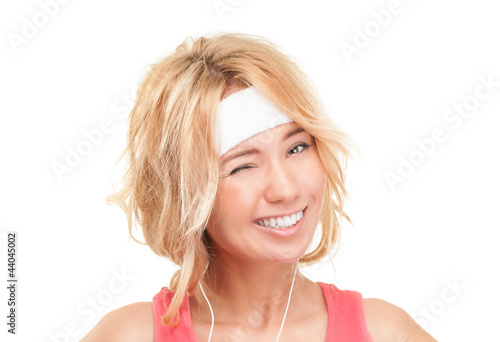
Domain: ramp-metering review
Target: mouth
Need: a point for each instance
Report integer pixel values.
(282, 226)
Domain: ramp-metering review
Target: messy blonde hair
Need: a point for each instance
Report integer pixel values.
(173, 163)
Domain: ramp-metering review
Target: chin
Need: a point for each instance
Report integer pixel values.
(286, 255)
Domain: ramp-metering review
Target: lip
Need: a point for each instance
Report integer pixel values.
(283, 232)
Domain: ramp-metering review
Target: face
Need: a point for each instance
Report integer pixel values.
(280, 175)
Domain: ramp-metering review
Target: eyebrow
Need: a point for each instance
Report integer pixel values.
(290, 134)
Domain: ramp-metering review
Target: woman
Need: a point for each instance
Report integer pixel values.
(233, 164)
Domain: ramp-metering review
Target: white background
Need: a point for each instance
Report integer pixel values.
(409, 244)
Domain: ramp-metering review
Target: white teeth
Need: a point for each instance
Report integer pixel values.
(279, 221)
(282, 222)
(287, 221)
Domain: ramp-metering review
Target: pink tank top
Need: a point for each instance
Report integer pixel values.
(346, 317)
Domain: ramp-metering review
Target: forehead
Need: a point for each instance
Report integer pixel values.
(279, 133)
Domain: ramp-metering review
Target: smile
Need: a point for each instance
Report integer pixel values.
(282, 222)
(287, 228)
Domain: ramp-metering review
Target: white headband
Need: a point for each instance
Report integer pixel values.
(244, 114)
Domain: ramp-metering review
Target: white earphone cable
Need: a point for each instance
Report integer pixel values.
(289, 296)
(284, 317)
(210, 306)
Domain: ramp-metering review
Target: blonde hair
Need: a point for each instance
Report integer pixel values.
(173, 165)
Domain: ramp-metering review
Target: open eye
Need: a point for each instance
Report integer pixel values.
(303, 145)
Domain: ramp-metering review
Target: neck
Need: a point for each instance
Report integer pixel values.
(248, 292)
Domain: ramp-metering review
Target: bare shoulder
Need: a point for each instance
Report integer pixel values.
(132, 322)
(388, 322)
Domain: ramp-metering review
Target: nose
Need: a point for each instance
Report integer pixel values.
(281, 183)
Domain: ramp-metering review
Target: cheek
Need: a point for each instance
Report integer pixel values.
(314, 176)
(231, 206)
